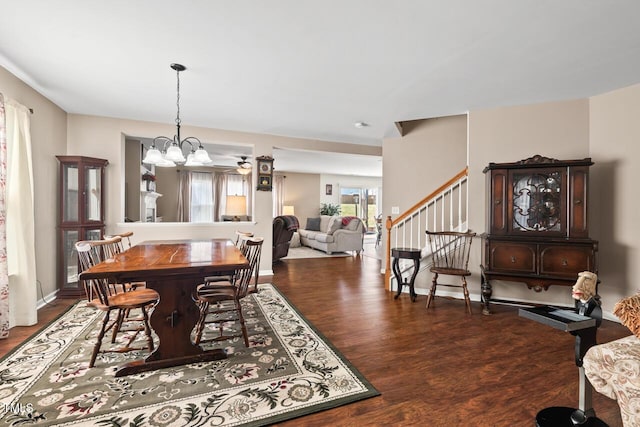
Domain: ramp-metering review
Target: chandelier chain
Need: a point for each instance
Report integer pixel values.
(178, 97)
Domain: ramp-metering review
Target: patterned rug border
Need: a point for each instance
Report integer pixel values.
(370, 390)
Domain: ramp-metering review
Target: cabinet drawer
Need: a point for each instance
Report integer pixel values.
(567, 261)
(512, 257)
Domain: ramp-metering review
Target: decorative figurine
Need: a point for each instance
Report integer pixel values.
(585, 294)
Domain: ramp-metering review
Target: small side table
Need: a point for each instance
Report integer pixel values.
(405, 253)
(583, 324)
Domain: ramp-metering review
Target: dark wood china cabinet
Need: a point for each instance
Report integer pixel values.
(537, 224)
(80, 215)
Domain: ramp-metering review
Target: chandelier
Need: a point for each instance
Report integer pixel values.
(167, 152)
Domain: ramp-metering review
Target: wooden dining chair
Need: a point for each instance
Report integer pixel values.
(450, 251)
(219, 298)
(102, 296)
(241, 236)
(120, 243)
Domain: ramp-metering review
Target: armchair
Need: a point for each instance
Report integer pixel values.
(283, 228)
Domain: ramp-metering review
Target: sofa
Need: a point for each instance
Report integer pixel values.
(283, 228)
(613, 368)
(333, 234)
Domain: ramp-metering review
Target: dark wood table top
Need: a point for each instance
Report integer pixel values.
(149, 259)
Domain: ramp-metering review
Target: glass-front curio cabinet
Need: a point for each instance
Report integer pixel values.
(537, 223)
(80, 215)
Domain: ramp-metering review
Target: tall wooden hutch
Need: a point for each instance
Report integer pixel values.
(80, 215)
(538, 229)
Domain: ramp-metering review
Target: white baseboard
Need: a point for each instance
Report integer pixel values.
(266, 273)
(478, 298)
(48, 298)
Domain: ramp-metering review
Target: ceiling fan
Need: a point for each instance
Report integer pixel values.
(244, 166)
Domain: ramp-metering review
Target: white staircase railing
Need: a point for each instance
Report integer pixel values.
(443, 210)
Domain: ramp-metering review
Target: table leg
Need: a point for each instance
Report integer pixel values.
(412, 291)
(396, 273)
(173, 320)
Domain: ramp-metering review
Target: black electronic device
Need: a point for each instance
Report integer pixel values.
(582, 322)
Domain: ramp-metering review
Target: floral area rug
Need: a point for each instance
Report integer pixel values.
(289, 370)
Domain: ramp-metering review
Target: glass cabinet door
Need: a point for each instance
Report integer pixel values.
(69, 255)
(93, 193)
(538, 204)
(93, 234)
(70, 258)
(70, 187)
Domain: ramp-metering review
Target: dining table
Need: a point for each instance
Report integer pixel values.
(174, 269)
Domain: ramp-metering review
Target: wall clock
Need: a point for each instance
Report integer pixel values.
(265, 173)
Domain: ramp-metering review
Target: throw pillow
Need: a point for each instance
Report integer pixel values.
(353, 224)
(334, 224)
(313, 224)
(628, 311)
(295, 240)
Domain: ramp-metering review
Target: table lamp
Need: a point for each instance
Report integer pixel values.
(236, 207)
(288, 210)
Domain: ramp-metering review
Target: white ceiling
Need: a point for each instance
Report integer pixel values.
(312, 69)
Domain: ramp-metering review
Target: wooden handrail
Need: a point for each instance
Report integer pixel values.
(464, 172)
(391, 222)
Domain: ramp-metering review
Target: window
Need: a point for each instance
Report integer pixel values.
(201, 197)
(236, 185)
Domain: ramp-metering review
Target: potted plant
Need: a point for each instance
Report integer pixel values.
(329, 209)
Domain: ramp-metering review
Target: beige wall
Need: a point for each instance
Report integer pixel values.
(48, 139)
(107, 135)
(302, 191)
(431, 152)
(615, 148)
(132, 179)
(558, 130)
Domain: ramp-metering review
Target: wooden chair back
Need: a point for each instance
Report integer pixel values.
(241, 236)
(450, 251)
(90, 253)
(251, 249)
(124, 241)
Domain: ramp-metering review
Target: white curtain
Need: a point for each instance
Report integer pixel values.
(184, 196)
(247, 182)
(220, 195)
(278, 194)
(4, 274)
(20, 220)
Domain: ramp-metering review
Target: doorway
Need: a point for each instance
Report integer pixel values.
(362, 203)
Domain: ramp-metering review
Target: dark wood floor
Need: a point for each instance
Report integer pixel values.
(434, 368)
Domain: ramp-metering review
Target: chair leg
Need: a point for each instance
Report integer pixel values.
(465, 291)
(204, 307)
(242, 325)
(117, 325)
(432, 292)
(98, 344)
